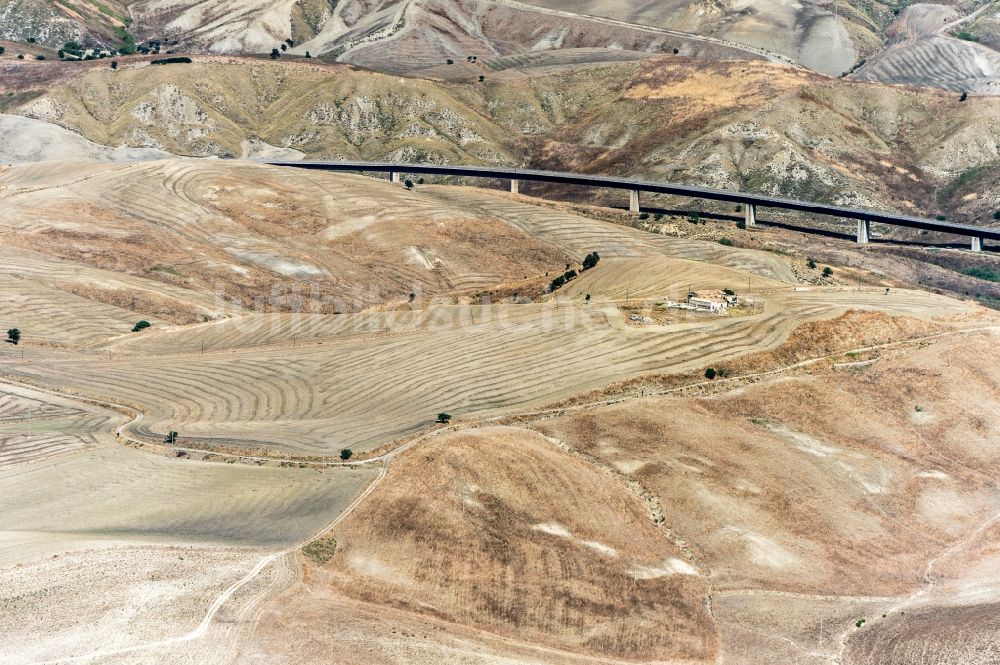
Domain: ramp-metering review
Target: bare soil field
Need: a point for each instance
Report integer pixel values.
(806, 503)
(595, 499)
(568, 557)
(107, 547)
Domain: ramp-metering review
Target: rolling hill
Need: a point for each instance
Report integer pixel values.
(737, 124)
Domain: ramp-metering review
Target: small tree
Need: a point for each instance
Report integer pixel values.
(444, 418)
(14, 336)
(39, 57)
(728, 292)
(710, 373)
(557, 283)
(140, 326)
(114, 64)
(587, 298)
(2, 49)
(996, 214)
(964, 96)
(591, 260)
(275, 54)
(170, 438)
(308, 54)
(408, 183)
(811, 263)
(827, 271)
(346, 454)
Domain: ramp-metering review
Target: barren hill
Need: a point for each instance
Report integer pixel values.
(793, 509)
(740, 125)
(455, 39)
(596, 495)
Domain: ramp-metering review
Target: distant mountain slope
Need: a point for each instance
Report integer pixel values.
(457, 39)
(27, 140)
(91, 22)
(739, 125)
(922, 52)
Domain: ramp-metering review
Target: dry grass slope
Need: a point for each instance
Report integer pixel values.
(502, 530)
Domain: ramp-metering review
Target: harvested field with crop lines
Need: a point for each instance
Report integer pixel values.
(323, 396)
(295, 315)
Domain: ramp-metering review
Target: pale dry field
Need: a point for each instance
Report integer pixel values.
(798, 506)
(673, 528)
(106, 547)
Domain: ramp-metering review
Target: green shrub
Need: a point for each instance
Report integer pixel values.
(172, 61)
(14, 336)
(557, 283)
(967, 36)
(984, 273)
(141, 325)
(827, 271)
(443, 418)
(811, 263)
(591, 260)
(726, 241)
(346, 454)
(710, 373)
(996, 214)
(643, 215)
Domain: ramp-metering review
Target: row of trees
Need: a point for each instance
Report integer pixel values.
(589, 262)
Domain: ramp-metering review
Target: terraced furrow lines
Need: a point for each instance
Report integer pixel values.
(350, 392)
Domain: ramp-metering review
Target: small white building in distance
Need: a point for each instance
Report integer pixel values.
(711, 301)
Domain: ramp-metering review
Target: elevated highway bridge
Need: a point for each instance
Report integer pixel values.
(864, 218)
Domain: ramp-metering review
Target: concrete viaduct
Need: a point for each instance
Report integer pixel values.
(750, 202)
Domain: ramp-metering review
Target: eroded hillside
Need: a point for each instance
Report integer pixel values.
(740, 125)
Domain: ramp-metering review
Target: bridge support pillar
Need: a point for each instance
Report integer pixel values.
(394, 176)
(864, 231)
(977, 244)
(633, 200)
(515, 186)
(750, 215)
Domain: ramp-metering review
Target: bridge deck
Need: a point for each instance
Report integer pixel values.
(612, 182)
